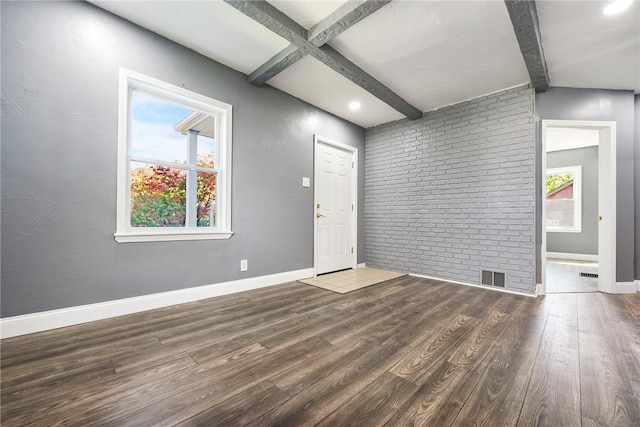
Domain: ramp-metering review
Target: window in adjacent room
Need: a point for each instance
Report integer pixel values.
(174, 163)
(564, 204)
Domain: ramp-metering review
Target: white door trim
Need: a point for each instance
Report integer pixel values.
(606, 199)
(317, 139)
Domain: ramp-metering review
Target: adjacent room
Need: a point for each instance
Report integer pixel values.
(320, 212)
(571, 214)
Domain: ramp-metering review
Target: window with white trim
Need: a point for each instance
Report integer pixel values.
(174, 163)
(564, 199)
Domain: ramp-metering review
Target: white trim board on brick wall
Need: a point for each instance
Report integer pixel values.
(43, 321)
(507, 291)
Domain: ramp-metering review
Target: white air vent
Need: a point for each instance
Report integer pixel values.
(493, 278)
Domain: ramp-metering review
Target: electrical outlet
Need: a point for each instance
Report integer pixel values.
(244, 265)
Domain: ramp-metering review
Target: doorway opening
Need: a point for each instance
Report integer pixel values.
(578, 206)
(335, 206)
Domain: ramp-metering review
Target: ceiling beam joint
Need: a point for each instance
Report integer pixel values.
(313, 42)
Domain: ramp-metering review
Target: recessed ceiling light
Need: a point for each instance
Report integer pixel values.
(355, 105)
(617, 7)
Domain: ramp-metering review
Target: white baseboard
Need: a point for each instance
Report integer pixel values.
(475, 286)
(576, 257)
(362, 265)
(618, 288)
(625, 288)
(43, 321)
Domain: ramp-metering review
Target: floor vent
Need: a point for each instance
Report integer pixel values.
(592, 275)
(493, 278)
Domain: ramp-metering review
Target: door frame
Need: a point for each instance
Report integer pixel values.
(606, 199)
(318, 139)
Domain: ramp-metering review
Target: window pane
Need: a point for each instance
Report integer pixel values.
(560, 200)
(560, 213)
(206, 150)
(153, 135)
(158, 195)
(557, 182)
(174, 151)
(206, 199)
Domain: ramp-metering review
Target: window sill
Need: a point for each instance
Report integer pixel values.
(560, 230)
(166, 236)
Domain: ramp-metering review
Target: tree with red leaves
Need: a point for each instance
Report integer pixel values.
(158, 195)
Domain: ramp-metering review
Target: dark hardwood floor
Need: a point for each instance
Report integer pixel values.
(409, 351)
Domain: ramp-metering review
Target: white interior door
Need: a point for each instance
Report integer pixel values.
(334, 182)
(607, 210)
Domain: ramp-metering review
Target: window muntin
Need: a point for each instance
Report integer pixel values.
(564, 199)
(174, 163)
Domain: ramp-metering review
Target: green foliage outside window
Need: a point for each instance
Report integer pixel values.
(555, 181)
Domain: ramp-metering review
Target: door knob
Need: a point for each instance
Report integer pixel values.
(319, 215)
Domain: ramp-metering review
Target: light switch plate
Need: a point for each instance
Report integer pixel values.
(306, 182)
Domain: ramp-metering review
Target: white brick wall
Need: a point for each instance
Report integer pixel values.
(453, 192)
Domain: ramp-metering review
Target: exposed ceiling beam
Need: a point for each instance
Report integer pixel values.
(272, 18)
(280, 62)
(357, 75)
(524, 19)
(267, 15)
(342, 18)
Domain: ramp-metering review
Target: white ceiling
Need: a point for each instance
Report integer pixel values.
(436, 53)
(431, 53)
(587, 49)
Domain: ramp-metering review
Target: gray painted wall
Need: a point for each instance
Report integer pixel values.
(453, 192)
(585, 242)
(607, 105)
(637, 182)
(60, 64)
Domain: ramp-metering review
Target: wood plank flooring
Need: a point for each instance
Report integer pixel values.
(409, 351)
